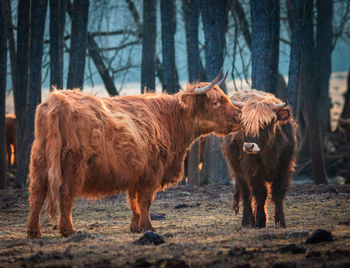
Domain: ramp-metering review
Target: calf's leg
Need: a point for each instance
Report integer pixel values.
(260, 195)
(279, 190)
(244, 191)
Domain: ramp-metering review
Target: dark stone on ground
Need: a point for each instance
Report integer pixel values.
(313, 254)
(149, 238)
(293, 248)
(158, 217)
(187, 206)
(318, 236)
(333, 191)
(237, 251)
(284, 265)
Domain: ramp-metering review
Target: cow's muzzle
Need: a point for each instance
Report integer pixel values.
(251, 148)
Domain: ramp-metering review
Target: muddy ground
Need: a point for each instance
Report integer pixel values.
(204, 234)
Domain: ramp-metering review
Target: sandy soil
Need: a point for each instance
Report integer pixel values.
(205, 234)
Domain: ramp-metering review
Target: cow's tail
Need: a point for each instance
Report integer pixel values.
(53, 154)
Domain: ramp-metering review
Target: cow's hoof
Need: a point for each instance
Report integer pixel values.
(33, 233)
(67, 232)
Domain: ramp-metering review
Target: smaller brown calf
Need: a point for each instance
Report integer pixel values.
(10, 123)
(261, 155)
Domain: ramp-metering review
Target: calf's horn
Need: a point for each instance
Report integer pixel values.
(221, 82)
(237, 103)
(278, 106)
(202, 90)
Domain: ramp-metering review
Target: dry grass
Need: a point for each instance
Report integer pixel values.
(200, 236)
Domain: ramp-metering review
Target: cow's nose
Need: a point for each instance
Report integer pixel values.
(251, 148)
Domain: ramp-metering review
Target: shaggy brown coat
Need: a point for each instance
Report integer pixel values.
(10, 124)
(90, 146)
(261, 155)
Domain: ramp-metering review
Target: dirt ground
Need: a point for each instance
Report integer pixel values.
(204, 234)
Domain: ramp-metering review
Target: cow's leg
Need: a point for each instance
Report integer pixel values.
(248, 217)
(279, 189)
(134, 224)
(65, 223)
(73, 179)
(260, 195)
(144, 200)
(38, 192)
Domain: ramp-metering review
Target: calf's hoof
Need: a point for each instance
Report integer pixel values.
(33, 233)
(135, 229)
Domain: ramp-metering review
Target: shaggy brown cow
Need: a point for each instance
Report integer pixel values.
(10, 122)
(261, 155)
(90, 146)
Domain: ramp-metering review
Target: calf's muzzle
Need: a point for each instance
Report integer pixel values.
(251, 148)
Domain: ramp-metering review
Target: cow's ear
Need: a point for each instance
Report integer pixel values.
(283, 115)
(187, 99)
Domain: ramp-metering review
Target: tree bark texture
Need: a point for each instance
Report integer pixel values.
(57, 24)
(3, 65)
(295, 54)
(149, 32)
(168, 21)
(214, 17)
(238, 11)
(346, 109)
(265, 44)
(38, 14)
(311, 97)
(191, 13)
(78, 44)
(324, 37)
(22, 71)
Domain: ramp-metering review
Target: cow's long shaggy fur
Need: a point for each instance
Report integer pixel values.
(275, 133)
(90, 146)
(10, 124)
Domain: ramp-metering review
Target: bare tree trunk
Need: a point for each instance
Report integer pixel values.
(265, 38)
(168, 20)
(149, 31)
(3, 65)
(57, 24)
(191, 13)
(11, 43)
(214, 23)
(323, 58)
(310, 93)
(21, 73)
(78, 44)
(38, 14)
(295, 54)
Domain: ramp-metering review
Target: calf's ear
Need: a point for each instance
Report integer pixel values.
(283, 115)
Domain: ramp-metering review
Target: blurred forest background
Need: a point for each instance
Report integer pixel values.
(296, 49)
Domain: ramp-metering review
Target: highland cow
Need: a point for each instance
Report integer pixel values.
(10, 124)
(91, 146)
(261, 155)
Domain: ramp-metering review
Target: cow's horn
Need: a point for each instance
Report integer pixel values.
(202, 90)
(278, 106)
(221, 82)
(238, 103)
